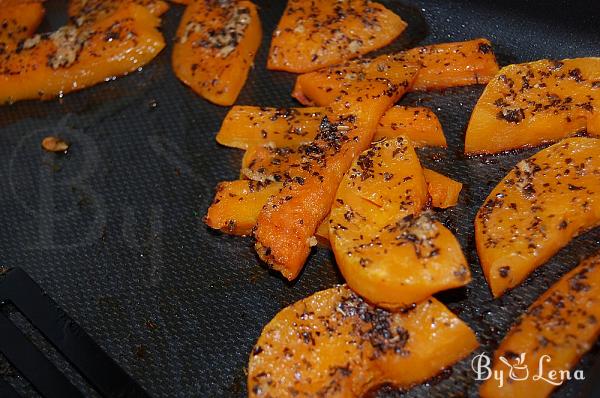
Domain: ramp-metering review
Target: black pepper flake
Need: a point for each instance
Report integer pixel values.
(575, 74)
(503, 271)
(511, 115)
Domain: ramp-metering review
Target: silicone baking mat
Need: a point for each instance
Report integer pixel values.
(113, 232)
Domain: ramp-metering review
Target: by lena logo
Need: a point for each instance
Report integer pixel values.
(518, 370)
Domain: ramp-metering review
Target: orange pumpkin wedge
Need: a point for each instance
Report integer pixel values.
(333, 344)
(452, 64)
(19, 19)
(419, 124)
(557, 329)
(286, 225)
(249, 126)
(314, 34)
(534, 103)
(236, 205)
(535, 210)
(441, 66)
(86, 11)
(387, 250)
(443, 190)
(215, 48)
(74, 58)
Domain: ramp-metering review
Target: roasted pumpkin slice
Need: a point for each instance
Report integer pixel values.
(331, 84)
(286, 226)
(333, 344)
(444, 191)
(237, 204)
(452, 64)
(314, 34)
(441, 66)
(419, 124)
(534, 103)
(557, 329)
(387, 251)
(215, 47)
(87, 11)
(19, 19)
(73, 58)
(247, 126)
(535, 210)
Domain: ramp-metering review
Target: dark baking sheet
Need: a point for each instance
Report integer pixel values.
(113, 232)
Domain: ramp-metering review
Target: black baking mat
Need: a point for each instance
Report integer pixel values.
(113, 232)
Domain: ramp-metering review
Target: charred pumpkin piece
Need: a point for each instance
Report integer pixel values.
(333, 344)
(419, 124)
(286, 226)
(19, 19)
(311, 35)
(441, 66)
(557, 329)
(215, 47)
(248, 126)
(332, 84)
(535, 210)
(269, 163)
(237, 204)
(265, 164)
(388, 252)
(534, 103)
(452, 64)
(74, 58)
(444, 191)
(87, 11)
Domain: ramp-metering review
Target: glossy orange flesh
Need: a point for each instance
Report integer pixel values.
(237, 204)
(74, 58)
(19, 19)
(535, 103)
(333, 344)
(215, 47)
(561, 324)
(417, 123)
(287, 224)
(314, 34)
(387, 250)
(440, 66)
(535, 210)
(443, 190)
